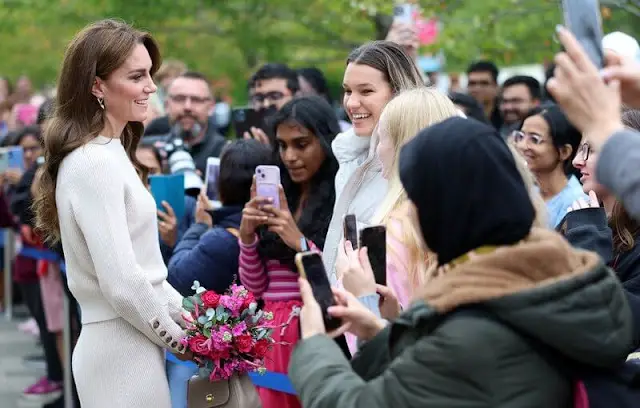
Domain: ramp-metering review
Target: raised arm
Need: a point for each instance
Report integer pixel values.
(253, 273)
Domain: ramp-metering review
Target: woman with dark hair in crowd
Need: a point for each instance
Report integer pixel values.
(270, 237)
(549, 142)
(601, 224)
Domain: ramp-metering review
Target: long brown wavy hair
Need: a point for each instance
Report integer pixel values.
(625, 229)
(95, 52)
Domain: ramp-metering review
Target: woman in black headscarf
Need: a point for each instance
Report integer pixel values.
(473, 335)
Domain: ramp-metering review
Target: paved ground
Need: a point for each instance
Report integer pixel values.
(15, 376)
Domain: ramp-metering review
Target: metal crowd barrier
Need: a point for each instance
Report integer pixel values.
(271, 380)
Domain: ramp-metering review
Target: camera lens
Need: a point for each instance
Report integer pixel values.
(263, 176)
(259, 171)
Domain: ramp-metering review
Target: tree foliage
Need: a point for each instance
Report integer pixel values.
(229, 39)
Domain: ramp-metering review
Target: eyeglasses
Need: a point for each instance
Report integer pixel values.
(519, 136)
(584, 150)
(259, 98)
(196, 100)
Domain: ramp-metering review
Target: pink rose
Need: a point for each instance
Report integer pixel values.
(210, 299)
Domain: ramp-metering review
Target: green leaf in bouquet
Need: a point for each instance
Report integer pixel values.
(202, 319)
(208, 324)
(244, 314)
(220, 310)
(196, 285)
(257, 316)
(200, 290)
(206, 331)
(187, 304)
(204, 372)
(211, 313)
(261, 334)
(253, 307)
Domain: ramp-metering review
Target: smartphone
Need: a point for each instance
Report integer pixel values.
(15, 157)
(403, 13)
(244, 119)
(311, 268)
(268, 182)
(350, 230)
(582, 18)
(375, 239)
(211, 182)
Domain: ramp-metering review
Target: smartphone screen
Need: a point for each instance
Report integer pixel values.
(244, 119)
(350, 230)
(582, 18)
(211, 182)
(375, 239)
(268, 182)
(311, 268)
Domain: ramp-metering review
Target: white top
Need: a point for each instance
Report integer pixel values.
(109, 233)
(360, 188)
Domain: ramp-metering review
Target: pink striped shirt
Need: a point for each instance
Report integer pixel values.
(270, 280)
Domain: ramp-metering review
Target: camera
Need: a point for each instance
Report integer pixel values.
(179, 159)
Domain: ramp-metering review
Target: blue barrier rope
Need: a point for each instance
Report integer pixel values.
(271, 380)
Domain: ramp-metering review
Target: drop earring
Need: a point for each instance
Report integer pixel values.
(101, 102)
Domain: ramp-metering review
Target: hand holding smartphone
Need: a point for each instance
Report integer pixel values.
(311, 268)
(268, 183)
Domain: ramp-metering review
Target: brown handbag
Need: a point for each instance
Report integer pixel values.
(236, 392)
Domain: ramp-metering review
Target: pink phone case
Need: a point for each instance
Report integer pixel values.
(267, 182)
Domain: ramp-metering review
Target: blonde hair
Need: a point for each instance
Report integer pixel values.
(404, 116)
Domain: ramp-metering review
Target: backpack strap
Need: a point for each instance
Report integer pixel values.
(233, 231)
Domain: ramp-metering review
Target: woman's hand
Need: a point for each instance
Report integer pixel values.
(202, 216)
(311, 320)
(355, 316)
(13, 176)
(389, 304)
(253, 216)
(357, 274)
(406, 36)
(257, 134)
(168, 225)
(581, 203)
(282, 223)
(589, 102)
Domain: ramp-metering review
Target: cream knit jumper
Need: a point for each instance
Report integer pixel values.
(115, 270)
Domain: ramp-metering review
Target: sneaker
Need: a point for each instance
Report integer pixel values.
(43, 391)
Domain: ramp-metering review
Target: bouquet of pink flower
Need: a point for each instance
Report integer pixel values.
(227, 333)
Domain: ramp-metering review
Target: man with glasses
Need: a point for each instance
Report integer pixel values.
(270, 88)
(520, 94)
(188, 102)
(482, 85)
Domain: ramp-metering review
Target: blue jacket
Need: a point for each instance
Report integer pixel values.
(209, 256)
(183, 225)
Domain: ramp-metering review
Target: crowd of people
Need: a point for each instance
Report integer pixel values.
(511, 215)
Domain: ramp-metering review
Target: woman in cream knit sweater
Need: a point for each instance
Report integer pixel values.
(91, 196)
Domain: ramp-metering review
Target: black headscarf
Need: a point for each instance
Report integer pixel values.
(464, 183)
